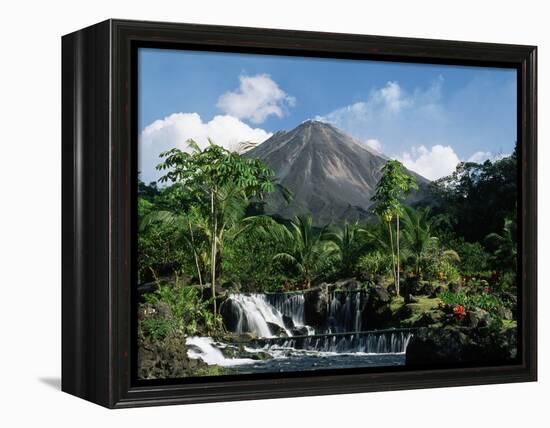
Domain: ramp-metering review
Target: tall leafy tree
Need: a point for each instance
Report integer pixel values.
(392, 188)
(215, 175)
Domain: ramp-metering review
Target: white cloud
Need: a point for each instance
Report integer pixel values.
(480, 157)
(176, 129)
(389, 110)
(392, 97)
(433, 163)
(374, 144)
(257, 98)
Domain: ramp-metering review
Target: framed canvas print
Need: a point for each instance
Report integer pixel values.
(253, 213)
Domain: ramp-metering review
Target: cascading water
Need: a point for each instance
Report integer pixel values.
(252, 313)
(345, 311)
(369, 343)
(291, 306)
(279, 322)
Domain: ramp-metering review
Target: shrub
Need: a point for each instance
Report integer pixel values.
(442, 270)
(485, 301)
(189, 313)
(473, 257)
(374, 263)
(157, 328)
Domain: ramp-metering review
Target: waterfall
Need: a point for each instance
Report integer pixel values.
(203, 348)
(345, 311)
(252, 313)
(369, 343)
(290, 305)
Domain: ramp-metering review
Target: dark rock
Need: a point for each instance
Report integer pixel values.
(230, 314)
(376, 312)
(477, 318)
(300, 331)
(429, 318)
(315, 306)
(232, 286)
(289, 323)
(349, 284)
(452, 345)
(276, 329)
(162, 310)
(505, 313)
(427, 288)
(404, 312)
(378, 296)
(412, 285)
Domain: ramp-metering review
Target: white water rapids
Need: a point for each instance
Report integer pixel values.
(278, 323)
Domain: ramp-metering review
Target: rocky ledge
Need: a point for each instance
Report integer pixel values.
(461, 345)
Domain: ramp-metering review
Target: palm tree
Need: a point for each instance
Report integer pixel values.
(505, 244)
(347, 245)
(305, 248)
(417, 234)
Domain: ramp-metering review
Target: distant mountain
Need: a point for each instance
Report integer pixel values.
(332, 175)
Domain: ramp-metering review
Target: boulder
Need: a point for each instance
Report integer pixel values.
(162, 310)
(411, 285)
(300, 331)
(376, 311)
(315, 306)
(452, 345)
(505, 313)
(276, 329)
(427, 288)
(289, 323)
(378, 296)
(349, 284)
(429, 318)
(477, 318)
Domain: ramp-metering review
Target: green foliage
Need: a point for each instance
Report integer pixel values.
(221, 182)
(473, 257)
(159, 249)
(477, 198)
(348, 244)
(248, 261)
(417, 235)
(189, 314)
(393, 186)
(504, 246)
(157, 328)
(374, 263)
(304, 247)
(485, 301)
(442, 269)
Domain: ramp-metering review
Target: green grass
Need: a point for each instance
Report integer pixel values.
(424, 305)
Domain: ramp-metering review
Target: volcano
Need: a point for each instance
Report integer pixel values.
(331, 174)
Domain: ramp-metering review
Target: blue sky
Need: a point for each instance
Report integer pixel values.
(428, 116)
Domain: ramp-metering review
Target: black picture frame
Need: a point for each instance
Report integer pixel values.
(98, 216)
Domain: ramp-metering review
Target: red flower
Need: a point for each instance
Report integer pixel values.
(459, 311)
